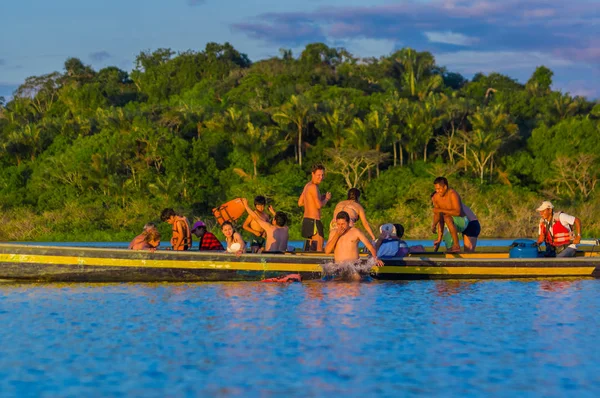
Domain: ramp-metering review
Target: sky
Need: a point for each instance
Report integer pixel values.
(512, 37)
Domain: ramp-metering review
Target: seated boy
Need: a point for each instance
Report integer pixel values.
(389, 243)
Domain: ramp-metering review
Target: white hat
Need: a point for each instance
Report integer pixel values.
(389, 228)
(545, 205)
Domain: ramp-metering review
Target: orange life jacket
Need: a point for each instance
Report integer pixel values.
(555, 233)
(186, 243)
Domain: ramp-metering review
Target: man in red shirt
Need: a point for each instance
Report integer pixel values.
(208, 241)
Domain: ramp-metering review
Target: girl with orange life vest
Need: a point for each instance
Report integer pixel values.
(556, 231)
(182, 236)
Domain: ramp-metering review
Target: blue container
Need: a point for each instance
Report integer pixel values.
(523, 248)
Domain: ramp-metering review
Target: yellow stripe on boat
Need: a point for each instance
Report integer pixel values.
(487, 271)
(146, 263)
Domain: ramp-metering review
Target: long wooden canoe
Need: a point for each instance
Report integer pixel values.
(79, 264)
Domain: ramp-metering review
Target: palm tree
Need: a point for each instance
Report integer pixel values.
(372, 134)
(259, 143)
(297, 112)
(397, 108)
(336, 120)
(491, 129)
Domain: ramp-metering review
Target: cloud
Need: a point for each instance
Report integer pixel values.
(99, 56)
(450, 37)
(544, 26)
(292, 34)
(471, 62)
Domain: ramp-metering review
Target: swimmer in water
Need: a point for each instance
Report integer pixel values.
(343, 243)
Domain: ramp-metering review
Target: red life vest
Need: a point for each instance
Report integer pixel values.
(557, 234)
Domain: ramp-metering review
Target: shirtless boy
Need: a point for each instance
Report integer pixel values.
(182, 237)
(447, 204)
(277, 235)
(312, 201)
(354, 209)
(252, 224)
(343, 242)
(149, 239)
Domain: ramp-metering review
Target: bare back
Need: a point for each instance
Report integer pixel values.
(351, 207)
(277, 238)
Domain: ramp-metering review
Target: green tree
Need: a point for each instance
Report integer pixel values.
(297, 112)
(491, 129)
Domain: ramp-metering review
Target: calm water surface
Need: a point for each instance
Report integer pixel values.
(498, 338)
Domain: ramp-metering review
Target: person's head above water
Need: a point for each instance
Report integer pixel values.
(342, 220)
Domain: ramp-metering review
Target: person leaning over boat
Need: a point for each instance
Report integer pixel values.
(343, 242)
(354, 209)
(252, 224)
(182, 237)
(312, 201)
(149, 239)
(277, 235)
(206, 240)
(556, 231)
(235, 242)
(449, 210)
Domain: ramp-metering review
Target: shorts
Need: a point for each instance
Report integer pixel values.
(258, 241)
(312, 227)
(473, 229)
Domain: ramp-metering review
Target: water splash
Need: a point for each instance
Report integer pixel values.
(348, 270)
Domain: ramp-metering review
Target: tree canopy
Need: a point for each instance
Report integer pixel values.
(92, 154)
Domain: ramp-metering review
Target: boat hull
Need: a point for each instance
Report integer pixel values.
(74, 264)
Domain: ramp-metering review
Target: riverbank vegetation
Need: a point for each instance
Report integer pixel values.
(94, 155)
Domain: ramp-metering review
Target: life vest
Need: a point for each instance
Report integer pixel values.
(186, 243)
(555, 233)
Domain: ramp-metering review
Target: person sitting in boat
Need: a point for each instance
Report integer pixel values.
(354, 209)
(277, 234)
(149, 239)
(235, 243)
(207, 240)
(450, 211)
(560, 231)
(343, 242)
(390, 243)
(253, 225)
(182, 237)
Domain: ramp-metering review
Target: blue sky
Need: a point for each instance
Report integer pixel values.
(467, 36)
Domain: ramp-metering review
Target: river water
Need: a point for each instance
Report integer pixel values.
(442, 338)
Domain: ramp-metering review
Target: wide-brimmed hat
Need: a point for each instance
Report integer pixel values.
(545, 205)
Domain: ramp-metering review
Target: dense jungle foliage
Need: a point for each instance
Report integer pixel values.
(94, 155)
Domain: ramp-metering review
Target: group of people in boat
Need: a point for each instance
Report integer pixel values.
(559, 231)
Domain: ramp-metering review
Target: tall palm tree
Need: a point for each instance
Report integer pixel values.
(491, 129)
(296, 111)
(334, 122)
(259, 143)
(371, 134)
(397, 108)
